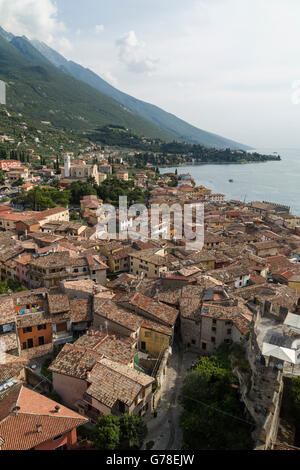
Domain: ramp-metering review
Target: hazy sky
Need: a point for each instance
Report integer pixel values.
(226, 66)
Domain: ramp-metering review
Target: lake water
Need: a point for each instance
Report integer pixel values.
(269, 181)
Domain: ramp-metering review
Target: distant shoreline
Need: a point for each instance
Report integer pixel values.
(217, 163)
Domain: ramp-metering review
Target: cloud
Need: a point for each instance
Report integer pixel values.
(133, 54)
(99, 28)
(63, 45)
(32, 18)
(108, 76)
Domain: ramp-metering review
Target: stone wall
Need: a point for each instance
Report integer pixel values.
(263, 395)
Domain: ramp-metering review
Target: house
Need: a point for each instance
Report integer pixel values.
(92, 382)
(8, 221)
(290, 221)
(26, 226)
(60, 214)
(116, 388)
(8, 337)
(61, 317)
(220, 323)
(203, 259)
(7, 165)
(50, 270)
(89, 207)
(235, 275)
(117, 256)
(5, 210)
(294, 283)
(151, 263)
(267, 248)
(12, 371)
(149, 335)
(148, 307)
(15, 175)
(74, 229)
(33, 323)
(212, 241)
(122, 175)
(27, 187)
(82, 317)
(30, 421)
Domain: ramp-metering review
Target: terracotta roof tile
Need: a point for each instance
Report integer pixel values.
(19, 429)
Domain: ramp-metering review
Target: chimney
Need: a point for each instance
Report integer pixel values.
(39, 428)
(16, 409)
(57, 408)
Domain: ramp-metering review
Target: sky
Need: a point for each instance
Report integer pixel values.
(226, 66)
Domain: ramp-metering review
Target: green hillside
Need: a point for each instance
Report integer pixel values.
(41, 92)
(177, 128)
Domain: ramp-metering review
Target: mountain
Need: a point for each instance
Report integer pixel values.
(44, 86)
(177, 128)
(5, 35)
(40, 91)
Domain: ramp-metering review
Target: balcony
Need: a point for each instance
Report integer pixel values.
(62, 337)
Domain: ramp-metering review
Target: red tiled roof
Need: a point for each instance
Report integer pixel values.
(159, 311)
(19, 429)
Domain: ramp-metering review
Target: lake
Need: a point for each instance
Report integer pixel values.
(269, 181)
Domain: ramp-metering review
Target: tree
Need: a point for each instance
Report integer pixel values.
(174, 182)
(107, 435)
(296, 397)
(39, 198)
(55, 183)
(2, 176)
(91, 180)
(213, 417)
(78, 190)
(18, 182)
(9, 284)
(133, 431)
(74, 217)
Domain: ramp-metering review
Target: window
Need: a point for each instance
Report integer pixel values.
(27, 330)
(30, 343)
(24, 346)
(41, 340)
(214, 321)
(204, 346)
(7, 328)
(147, 334)
(229, 331)
(214, 329)
(41, 327)
(121, 407)
(213, 339)
(193, 341)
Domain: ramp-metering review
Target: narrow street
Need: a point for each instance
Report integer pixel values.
(165, 430)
